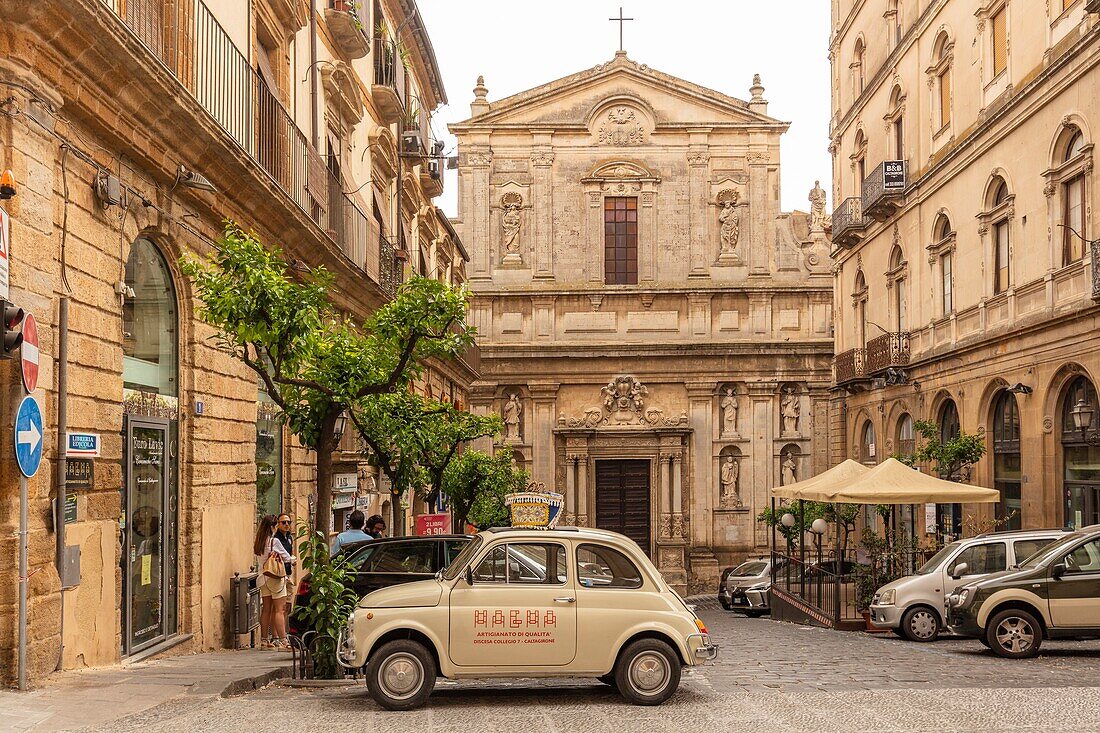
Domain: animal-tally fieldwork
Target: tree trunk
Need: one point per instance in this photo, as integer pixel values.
(396, 528)
(326, 444)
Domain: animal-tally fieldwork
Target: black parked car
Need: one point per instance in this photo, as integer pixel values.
(385, 562)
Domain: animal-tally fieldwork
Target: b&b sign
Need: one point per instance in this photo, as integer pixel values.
(893, 175)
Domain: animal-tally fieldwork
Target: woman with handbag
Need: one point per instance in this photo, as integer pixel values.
(271, 559)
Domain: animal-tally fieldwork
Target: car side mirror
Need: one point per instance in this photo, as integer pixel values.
(469, 575)
(1057, 570)
(959, 570)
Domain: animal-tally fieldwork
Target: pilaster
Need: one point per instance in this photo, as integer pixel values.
(543, 399)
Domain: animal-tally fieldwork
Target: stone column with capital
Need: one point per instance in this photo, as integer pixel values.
(761, 254)
(570, 490)
(542, 199)
(541, 431)
(584, 497)
(703, 498)
(475, 205)
(698, 169)
(678, 528)
(664, 515)
(762, 399)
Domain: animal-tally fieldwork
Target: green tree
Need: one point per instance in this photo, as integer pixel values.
(412, 439)
(476, 485)
(315, 362)
(331, 598)
(951, 459)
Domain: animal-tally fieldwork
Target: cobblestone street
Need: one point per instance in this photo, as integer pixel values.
(770, 676)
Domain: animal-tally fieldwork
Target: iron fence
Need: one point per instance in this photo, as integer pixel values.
(391, 270)
(887, 350)
(389, 68)
(847, 220)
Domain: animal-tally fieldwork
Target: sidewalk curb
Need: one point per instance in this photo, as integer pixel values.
(288, 682)
(249, 684)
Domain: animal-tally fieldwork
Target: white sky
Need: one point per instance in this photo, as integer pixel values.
(720, 44)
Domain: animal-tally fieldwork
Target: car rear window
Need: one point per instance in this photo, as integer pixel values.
(1026, 548)
(401, 557)
(606, 567)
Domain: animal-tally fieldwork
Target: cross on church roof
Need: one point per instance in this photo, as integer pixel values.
(620, 20)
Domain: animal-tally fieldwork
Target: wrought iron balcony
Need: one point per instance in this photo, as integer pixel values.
(347, 28)
(391, 268)
(848, 222)
(388, 89)
(886, 351)
(884, 189)
(850, 366)
(1094, 255)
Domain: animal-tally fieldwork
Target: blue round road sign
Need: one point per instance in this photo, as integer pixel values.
(28, 437)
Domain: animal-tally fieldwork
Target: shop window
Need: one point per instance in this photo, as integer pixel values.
(1007, 477)
(149, 349)
(1081, 454)
(269, 456)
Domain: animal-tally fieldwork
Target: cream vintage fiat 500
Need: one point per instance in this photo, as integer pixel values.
(567, 602)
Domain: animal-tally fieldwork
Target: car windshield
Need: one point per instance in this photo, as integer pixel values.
(752, 567)
(936, 561)
(1054, 548)
(459, 563)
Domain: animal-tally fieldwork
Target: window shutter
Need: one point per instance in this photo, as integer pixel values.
(1000, 42)
(945, 97)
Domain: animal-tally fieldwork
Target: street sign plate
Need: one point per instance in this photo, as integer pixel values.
(82, 444)
(28, 353)
(28, 437)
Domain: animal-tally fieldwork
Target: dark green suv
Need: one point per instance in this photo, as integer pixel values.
(1054, 594)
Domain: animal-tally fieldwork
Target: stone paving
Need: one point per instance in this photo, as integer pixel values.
(780, 678)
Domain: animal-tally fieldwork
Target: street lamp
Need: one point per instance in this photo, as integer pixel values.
(1082, 415)
(787, 520)
(340, 426)
(819, 527)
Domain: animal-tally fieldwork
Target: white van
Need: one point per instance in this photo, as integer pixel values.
(913, 606)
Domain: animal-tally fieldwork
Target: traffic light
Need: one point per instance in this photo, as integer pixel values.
(13, 336)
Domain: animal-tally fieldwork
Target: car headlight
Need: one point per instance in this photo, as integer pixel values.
(759, 586)
(887, 597)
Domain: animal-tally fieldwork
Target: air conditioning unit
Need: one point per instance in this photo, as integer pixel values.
(437, 149)
(410, 141)
(434, 168)
(1092, 6)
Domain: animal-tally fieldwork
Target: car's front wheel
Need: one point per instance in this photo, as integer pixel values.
(920, 623)
(753, 613)
(1014, 633)
(648, 672)
(401, 675)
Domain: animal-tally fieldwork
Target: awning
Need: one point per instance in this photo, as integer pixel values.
(813, 488)
(890, 482)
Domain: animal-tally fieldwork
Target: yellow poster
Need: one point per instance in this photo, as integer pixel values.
(146, 569)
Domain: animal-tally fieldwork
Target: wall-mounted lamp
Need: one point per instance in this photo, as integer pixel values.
(1082, 413)
(191, 179)
(1020, 388)
(7, 185)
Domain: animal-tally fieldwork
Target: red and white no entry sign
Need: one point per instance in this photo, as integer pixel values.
(28, 353)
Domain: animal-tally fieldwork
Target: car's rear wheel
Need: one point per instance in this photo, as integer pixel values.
(648, 672)
(401, 675)
(1014, 634)
(920, 623)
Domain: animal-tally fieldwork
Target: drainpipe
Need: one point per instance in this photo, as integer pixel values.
(315, 135)
(59, 473)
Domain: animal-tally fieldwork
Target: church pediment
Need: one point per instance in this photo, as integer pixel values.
(621, 102)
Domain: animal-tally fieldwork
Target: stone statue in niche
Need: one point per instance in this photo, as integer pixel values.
(731, 496)
(789, 468)
(790, 410)
(817, 208)
(729, 224)
(511, 413)
(510, 222)
(729, 414)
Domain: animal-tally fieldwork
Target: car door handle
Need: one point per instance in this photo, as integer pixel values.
(565, 599)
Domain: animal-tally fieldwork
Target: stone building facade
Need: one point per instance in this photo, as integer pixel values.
(968, 295)
(655, 332)
(110, 111)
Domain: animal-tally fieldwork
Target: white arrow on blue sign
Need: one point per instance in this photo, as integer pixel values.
(28, 437)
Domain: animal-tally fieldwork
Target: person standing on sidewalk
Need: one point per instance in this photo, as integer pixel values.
(285, 537)
(273, 591)
(376, 526)
(356, 520)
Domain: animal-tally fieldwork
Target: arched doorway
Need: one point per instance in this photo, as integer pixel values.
(1006, 458)
(150, 375)
(949, 516)
(1081, 454)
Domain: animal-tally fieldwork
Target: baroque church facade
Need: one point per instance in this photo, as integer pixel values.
(655, 331)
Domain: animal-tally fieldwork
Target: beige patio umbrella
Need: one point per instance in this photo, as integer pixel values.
(824, 484)
(893, 482)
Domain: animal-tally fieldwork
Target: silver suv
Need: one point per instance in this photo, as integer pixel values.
(745, 588)
(913, 606)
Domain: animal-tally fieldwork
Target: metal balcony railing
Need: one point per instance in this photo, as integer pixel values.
(1094, 255)
(389, 79)
(848, 222)
(886, 351)
(391, 269)
(884, 189)
(850, 366)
